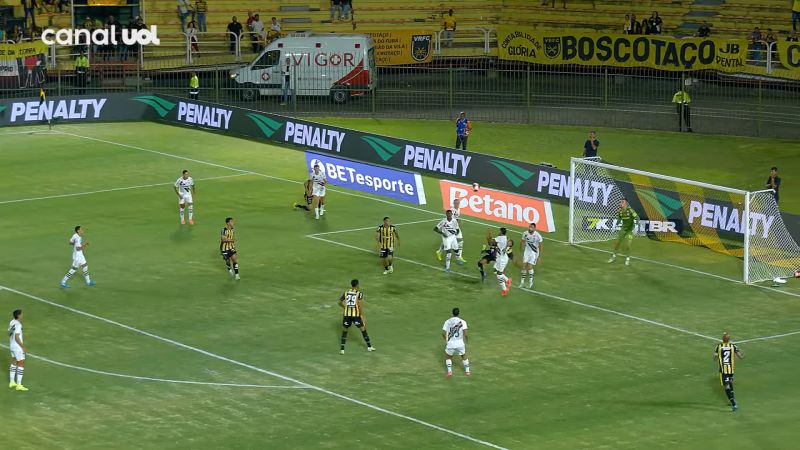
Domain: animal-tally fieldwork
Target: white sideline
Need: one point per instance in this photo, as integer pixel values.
(257, 369)
(543, 294)
(732, 280)
(767, 338)
(162, 380)
(140, 186)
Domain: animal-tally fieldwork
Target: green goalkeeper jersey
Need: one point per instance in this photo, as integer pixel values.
(627, 219)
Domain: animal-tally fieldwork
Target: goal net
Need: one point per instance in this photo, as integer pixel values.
(686, 211)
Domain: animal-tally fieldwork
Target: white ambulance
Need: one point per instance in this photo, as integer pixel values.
(338, 66)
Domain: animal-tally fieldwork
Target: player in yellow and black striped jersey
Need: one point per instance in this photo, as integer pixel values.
(227, 246)
(387, 238)
(307, 197)
(725, 353)
(353, 314)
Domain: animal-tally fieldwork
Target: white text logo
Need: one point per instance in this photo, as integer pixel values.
(102, 36)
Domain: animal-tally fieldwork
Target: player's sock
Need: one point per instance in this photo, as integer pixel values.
(522, 274)
(447, 260)
(191, 212)
(501, 278)
(365, 335)
(466, 365)
(449, 364)
(236, 268)
(460, 248)
(480, 268)
(729, 394)
(322, 210)
(181, 214)
(316, 212)
(68, 275)
(12, 373)
(343, 341)
(228, 265)
(86, 274)
(20, 373)
(530, 278)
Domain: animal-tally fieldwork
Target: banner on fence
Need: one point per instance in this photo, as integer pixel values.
(396, 184)
(22, 65)
(621, 50)
(399, 47)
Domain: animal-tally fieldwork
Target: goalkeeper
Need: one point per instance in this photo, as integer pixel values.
(627, 220)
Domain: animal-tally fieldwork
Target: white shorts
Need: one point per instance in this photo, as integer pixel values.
(185, 198)
(78, 259)
(459, 350)
(530, 257)
(318, 191)
(500, 263)
(449, 243)
(17, 354)
(460, 236)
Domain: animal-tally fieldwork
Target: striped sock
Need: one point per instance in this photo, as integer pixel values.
(20, 372)
(68, 275)
(12, 373)
(86, 274)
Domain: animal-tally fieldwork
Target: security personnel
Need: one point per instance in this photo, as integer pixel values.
(194, 86)
(682, 101)
(81, 72)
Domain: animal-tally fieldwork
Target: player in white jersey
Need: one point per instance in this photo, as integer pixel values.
(454, 333)
(184, 187)
(449, 229)
(460, 238)
(78, 260)
(318, 189)
(501, 260)
(531, 245)
(18, 350)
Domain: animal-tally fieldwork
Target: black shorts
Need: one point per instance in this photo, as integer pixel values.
(386, 252)
(488, 257)
(347, 321)
(226, 254)
(510, 255)
(725, 379)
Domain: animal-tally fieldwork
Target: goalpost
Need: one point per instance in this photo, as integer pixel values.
(679, 210)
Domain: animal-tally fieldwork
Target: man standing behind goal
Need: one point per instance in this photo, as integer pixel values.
(627, 220)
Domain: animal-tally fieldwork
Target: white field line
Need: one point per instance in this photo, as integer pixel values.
(257, 369)
(371, 228)
(400, 205)
(13, 133)
(767, 338)
(126, 188)
(162, 380)
(540, 293)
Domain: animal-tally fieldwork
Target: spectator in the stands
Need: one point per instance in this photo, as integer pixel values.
(30, 10)
(636, 27)
(184, 11)
(2, 33)
(16, 34)
(795, 15)
(136, 24)
(113, 24)
(63, 6)
(274, 30)
(756, 44)
(553, 3)
(704, 31)
(626, 26)
(236, 29)
(792, 37)
(770, 38)
(258, 32)
(347, 5)
(655, 23)
(646, 29)
(200, 10)
(449, 25)
(191, 31)
(253, 37)
(336, 10)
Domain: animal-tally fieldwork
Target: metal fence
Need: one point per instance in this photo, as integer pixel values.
(488, 89)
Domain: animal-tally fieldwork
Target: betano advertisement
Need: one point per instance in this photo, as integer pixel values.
(519, 43)
(396, 184)
(498, 206)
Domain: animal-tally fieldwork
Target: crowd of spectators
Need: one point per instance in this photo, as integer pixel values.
(648, 25)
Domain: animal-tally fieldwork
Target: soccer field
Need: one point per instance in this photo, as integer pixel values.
(168, 351)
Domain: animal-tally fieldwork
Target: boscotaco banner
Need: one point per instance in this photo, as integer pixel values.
(626, 50)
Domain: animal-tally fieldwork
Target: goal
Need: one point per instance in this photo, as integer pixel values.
(686, 211)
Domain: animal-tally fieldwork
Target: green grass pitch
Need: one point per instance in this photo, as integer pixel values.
(167, 351)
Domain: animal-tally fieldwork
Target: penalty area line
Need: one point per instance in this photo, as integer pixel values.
(540, 293)
(162, 380)
(126, 188)
(255, 368)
